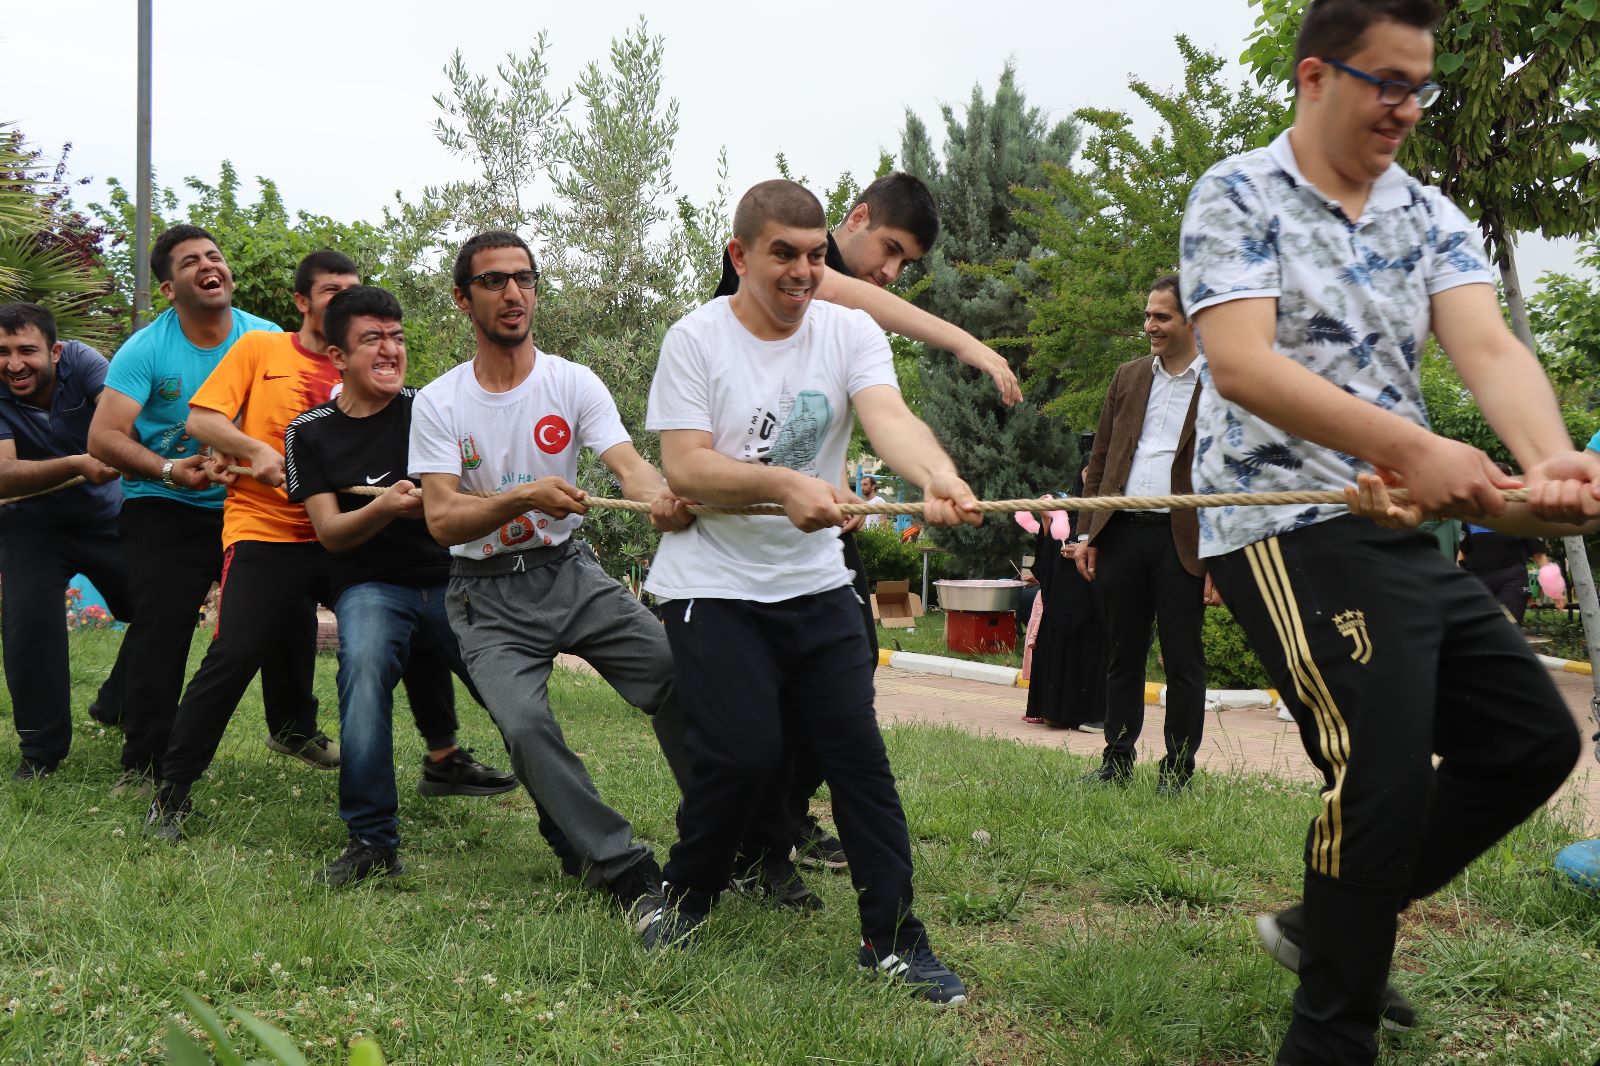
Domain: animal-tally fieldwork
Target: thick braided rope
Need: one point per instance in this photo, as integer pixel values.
(53, 488)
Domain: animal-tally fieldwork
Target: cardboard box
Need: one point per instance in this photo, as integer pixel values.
(895, 606)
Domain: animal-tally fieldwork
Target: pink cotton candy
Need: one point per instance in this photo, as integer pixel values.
(1026, 520)
(1060, 526)
(1550, 582)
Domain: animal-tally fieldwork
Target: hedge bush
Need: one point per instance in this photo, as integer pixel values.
(1230, 663)
(887, 558)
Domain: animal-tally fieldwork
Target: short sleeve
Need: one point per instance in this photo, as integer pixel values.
(433, 447)
(1455, 249)
(870, 360)
(227, 386)
(599, 424)
(1229, 241)
(91, 365)
(303, 476)
(129, 372)
(680, 393)
(1594, 442)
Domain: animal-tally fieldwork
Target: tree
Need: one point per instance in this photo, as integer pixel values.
(1510, 140)
(1566, 320)
(1107, 230)
(977, 277)
(49, 253)
(260, 241)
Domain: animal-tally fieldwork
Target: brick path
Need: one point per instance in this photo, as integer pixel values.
(1236, 740)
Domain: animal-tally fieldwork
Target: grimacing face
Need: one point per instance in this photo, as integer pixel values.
(374, 364)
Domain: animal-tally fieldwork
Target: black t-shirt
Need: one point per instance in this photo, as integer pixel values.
(1486, 551)
(326, 449)
(730, 277)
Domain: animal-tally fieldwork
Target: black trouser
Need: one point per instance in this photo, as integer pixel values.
(1509, 587)
(176, 551)
(750, 675)
(1387, 655)
(268, 616)
(37, 559)
(1140, 580)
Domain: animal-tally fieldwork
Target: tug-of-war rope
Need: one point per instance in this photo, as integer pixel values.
(1037, 506)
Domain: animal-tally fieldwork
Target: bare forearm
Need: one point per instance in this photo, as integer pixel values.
(1298, 401)
(19, 476)
(343, 531)
(710, 477)
(217, 430)
(911, 450)
(116, 448)
(1518, 404)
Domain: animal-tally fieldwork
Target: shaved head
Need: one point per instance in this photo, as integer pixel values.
(779, 200)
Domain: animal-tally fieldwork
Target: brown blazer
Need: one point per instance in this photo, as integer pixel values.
(1121, 422)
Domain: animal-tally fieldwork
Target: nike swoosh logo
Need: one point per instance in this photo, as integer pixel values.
(380, 477)
(273, 377)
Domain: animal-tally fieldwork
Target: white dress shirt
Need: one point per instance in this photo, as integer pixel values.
(1151, 472)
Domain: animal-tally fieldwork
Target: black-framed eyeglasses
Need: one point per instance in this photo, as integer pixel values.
(1392, 93)
(495, 280)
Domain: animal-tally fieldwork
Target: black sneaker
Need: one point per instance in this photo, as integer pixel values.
(1172, 784)
(108, 718)
(1279, 934)
(1107, 774)
(638, 893)
(776, 882)
(459, 774)
(819, 849)
(31, 769)
(668, 926)
(165, 819)
(316, 750)
(360, 860)
(921, 969)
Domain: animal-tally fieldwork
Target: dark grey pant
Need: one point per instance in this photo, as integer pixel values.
(513, 615)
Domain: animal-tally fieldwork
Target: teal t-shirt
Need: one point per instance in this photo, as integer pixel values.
(162, 369)
(1594, 442)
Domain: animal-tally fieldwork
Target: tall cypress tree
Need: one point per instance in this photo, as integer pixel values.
(977, 277)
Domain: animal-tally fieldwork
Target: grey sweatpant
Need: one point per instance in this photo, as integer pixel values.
(512, 617)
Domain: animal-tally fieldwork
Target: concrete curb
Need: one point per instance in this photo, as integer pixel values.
(1567, 666)
(1010, 677)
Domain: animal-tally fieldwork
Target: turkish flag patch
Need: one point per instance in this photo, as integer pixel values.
(552, 434)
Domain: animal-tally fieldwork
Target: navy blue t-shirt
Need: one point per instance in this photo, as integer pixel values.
(60, 431)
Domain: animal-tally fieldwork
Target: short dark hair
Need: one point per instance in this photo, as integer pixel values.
(354, 302)
(780, 200)
(16, 317)
(1170, 283)
(486, 241)
(170, 238)
(903, 201)
(317, 264)
(1332, 29)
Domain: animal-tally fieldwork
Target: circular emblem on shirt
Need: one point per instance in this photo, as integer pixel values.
(516, 531)
(552, 434)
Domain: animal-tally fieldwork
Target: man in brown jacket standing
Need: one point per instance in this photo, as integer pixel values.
(1145, 564)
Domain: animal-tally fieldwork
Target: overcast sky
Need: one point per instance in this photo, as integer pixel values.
(332, 99)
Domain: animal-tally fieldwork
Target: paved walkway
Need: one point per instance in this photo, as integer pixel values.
(1252, 741)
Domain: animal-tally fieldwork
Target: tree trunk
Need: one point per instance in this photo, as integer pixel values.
(1577, 555)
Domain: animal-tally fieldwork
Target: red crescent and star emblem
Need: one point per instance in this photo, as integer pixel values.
(552, 434)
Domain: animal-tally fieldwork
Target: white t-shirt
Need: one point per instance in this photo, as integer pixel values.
(495, 441)
(781, 402)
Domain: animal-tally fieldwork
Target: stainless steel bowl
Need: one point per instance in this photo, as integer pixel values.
(976, 595)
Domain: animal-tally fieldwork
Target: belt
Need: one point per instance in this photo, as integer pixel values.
(1146, 518)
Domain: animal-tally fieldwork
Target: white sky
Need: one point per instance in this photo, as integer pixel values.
(332, 99)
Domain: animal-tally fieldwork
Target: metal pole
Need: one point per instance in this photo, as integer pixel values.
(141, 225)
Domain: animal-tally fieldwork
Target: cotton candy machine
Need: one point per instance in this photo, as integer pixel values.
(980, 615)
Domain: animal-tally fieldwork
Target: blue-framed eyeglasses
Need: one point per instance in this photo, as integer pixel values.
(1392, 93)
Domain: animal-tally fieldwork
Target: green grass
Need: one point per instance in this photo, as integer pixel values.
(1093, 926)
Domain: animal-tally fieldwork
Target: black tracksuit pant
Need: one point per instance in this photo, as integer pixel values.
(1140, 581)
(37, 559)
(267, 621)
(175, 551)
(1388, 655)
(752, 676)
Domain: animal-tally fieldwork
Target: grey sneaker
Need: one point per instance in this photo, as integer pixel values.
(165, 819)
(316, 750)
(139, 783)
(1279, 934)
(776, 883)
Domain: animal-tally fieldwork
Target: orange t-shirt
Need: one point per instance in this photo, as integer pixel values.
(263, 383)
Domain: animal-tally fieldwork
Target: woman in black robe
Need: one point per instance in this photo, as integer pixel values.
(1067, 685)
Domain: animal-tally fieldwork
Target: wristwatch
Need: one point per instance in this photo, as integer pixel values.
(166, 475)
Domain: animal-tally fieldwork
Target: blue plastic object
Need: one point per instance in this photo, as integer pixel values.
(1581, 863)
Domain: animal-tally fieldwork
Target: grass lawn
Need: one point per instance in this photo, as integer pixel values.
(1093, 926)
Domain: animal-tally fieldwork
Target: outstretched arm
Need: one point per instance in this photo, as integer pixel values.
(643, 483)
(900, 316)
(906, 443)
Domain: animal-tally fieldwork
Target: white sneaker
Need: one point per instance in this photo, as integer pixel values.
(1283, 714)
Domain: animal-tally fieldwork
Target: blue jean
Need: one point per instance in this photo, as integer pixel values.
(389, 633)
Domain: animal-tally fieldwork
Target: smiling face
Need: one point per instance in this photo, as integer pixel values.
(28, 365)
(201, 281)
(876, 254)
(1170, 334)
(502, 318)
(374, 364)
(778, 275)
(324, 287)
(1359, 135)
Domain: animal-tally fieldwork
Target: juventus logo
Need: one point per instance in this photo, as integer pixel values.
(1353, 624)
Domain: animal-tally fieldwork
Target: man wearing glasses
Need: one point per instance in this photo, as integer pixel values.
(522, 591)
(1315, 269)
